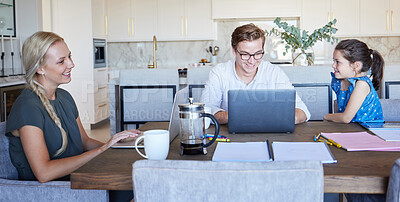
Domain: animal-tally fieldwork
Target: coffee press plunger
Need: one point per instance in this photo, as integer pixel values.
(192, 131)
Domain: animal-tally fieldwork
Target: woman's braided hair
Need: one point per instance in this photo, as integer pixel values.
(33, 57)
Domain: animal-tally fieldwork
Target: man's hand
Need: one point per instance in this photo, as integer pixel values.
(299, 116)
(222, 117)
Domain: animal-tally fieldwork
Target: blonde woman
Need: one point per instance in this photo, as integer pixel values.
(47, 139)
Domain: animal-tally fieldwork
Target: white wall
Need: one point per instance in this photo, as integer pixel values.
(77, 33)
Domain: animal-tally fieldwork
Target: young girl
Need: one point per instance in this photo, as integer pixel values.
(356, 94)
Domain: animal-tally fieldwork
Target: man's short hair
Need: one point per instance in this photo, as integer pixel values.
(247, 32)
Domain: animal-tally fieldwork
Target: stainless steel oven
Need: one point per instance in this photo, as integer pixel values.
(99, 53)
(8, 96)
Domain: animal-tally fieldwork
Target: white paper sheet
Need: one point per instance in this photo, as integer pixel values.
(388, 134)
(242, 151)
(292, 151)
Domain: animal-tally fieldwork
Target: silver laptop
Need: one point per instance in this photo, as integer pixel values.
(174, 125)
(261, 110)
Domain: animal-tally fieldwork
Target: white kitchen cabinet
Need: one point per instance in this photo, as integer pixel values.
(169, 20)
(317, 13)
(131, 20)
(185, 20)
(119, 20)
(395, 17)
(200, 25)
(101, 95)
(230, 9)
(144, 20)
(99, 18)
(380, 18)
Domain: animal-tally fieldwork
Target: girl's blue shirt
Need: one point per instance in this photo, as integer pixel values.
(370, 110)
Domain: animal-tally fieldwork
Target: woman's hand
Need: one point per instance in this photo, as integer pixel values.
(120, 136)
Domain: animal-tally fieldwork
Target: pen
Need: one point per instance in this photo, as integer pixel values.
(329, 140)
(269, 150)
(319, 140)
(219, 136)
(316, 137)
(335, 143)
(211, 137)
(221, 139)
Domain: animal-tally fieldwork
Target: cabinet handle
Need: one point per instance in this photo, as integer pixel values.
(329, 17)
(387, 20)
(102, 87)
(101, 70)
(106, 23)
(128, 27)
(186, 24)
(392, 19)
(100, 106)
(133, 27)
(182, 25)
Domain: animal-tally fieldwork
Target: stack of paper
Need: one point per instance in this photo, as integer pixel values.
(388, 134)
(295, 151)
(242, 151)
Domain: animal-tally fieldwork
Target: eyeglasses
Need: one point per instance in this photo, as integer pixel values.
(247, 56)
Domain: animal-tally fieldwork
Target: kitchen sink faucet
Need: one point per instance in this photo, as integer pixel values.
(154, 53)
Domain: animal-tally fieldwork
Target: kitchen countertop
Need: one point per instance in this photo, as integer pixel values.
(12, 80)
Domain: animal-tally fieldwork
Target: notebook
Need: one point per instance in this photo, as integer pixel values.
(362, 141)
(369, 125)
(261, 110)
(173, 127)
(295, 151)
(242, 151)
(387, 134)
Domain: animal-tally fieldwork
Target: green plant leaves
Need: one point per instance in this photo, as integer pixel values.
(300, 39)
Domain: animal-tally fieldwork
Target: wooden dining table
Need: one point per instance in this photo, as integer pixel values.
(354, 172)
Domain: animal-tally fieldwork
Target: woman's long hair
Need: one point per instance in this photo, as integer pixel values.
(33, 57)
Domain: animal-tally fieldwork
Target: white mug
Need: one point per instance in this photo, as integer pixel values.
(156, 144)
(206, 119)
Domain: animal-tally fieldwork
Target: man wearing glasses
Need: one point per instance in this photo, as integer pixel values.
(247, 71)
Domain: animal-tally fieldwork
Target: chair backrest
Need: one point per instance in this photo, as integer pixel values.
(147, 95)
(174, 180)
(196, 80)
(7, 170)
(317, 97)
(391, 109)
(393, 191)
(312, 84)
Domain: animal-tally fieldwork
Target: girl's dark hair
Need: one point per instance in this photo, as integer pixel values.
(248, 32)
(357, 51)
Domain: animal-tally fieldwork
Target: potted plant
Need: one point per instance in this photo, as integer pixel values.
(300, 42)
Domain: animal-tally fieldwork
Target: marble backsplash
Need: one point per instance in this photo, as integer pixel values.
(177, 54)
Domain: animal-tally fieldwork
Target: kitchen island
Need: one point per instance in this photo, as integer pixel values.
(312, 83)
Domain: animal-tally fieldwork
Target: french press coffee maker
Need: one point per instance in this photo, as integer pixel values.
(192, 131)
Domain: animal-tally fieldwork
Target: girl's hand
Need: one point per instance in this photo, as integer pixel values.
(120, 136)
